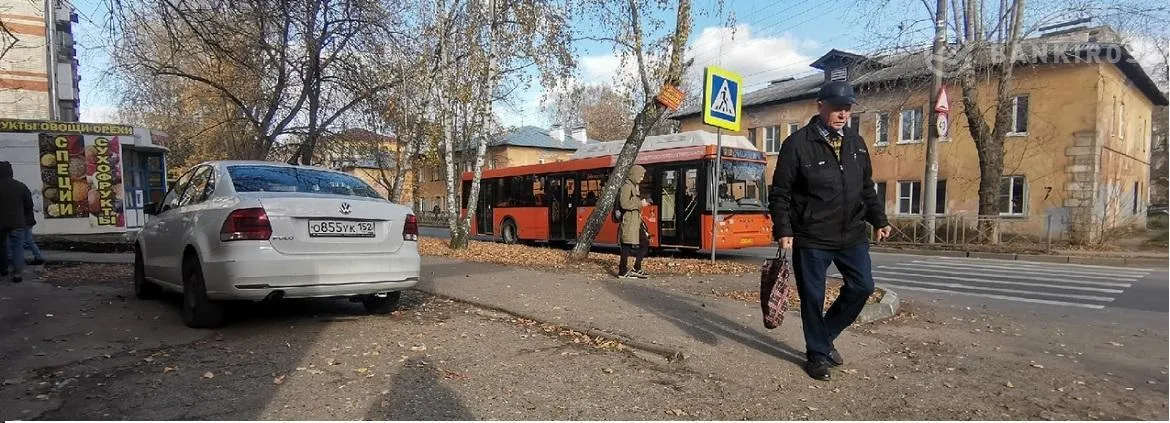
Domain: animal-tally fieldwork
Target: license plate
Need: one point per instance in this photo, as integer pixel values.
(341, 228)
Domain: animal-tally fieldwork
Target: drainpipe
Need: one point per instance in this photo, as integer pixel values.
(51, 42)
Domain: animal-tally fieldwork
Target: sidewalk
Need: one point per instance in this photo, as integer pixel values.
(714, 334)
(707, 333)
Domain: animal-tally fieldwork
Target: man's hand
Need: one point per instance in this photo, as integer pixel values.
(883, 233)
(785, 242)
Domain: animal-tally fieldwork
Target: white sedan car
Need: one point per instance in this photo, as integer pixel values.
(241, 230)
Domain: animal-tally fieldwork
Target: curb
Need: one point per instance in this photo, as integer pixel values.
(1046, 258)
(666, 353)
(884, 309)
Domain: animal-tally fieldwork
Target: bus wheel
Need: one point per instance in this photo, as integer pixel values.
(508, 232)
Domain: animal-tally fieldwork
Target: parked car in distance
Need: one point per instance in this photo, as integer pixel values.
(251, 231)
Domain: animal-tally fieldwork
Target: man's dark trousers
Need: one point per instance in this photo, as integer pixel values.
(809, 266)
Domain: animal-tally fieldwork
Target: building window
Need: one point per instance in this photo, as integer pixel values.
(940, 197)
(1012, 192)
(911, 126)
(1019, 115)
(839, 74)
(909, 197)
(1136, 188)
(882, 129)
(1121, 121)
(772, 139)
(793, 127)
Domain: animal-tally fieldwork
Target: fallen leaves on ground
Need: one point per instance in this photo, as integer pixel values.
(556, 259)
(832, 290)
(86, 273)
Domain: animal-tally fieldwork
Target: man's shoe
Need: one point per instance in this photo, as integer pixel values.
(835, 357)
(818, 369)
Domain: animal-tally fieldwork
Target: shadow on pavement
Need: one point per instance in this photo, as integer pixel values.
(699, 322)
(123, 358)
(417, 393)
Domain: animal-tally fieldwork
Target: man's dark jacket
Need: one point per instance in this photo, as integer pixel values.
(15, 200)
(819, 200)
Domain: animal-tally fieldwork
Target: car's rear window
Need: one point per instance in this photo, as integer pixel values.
(258, 178)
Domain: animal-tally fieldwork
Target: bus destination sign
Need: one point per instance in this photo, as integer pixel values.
(742, 154)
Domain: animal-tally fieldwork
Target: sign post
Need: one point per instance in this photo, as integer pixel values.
(722, 100)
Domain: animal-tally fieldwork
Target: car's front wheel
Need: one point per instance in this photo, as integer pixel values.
(199, 311)
(382, 305)
(143, 289)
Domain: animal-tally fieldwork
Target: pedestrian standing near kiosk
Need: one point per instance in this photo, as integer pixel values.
(821, 197)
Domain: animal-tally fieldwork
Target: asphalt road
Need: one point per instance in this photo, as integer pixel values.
(1002, 284)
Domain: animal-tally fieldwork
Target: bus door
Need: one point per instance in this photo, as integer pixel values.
(485, 206)
(562, 192)
(678, 195)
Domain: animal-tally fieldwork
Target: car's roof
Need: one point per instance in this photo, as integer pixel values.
(222, 163)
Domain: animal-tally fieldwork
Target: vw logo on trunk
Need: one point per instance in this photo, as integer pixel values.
(344, 208)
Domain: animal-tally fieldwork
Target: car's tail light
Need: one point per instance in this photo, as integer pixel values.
(246, 224)
(410, 228)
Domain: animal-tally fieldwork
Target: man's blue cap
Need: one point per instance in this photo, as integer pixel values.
(837, 93)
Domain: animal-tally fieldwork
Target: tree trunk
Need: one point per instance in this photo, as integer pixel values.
(646, 119)
(989, 140)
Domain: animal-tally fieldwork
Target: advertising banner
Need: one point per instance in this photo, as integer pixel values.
(82, 176)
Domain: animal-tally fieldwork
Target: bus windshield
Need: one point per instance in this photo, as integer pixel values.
(741, 186)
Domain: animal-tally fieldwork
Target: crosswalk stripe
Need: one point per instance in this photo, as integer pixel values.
(1064, 283)
(994, 296)
(1004, 270)
(1055, 266)
(1010, 291)
(1030, 268)
(1002, 282)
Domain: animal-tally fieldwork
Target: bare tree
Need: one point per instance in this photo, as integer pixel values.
(606, 113)
(487, 45)
(662, 61)
(286, 67)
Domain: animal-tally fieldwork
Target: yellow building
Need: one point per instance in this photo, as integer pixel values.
(522, 146)
(1076, 161)
(370, 156)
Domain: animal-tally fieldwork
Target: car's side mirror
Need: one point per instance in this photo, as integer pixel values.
(150, 209)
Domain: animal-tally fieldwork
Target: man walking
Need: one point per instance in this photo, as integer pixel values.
(821, 197)
(15, 205)
(631, 230)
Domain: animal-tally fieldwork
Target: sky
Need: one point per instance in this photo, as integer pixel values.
(769, 39)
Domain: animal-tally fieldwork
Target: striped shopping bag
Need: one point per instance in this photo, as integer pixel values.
(774, 289)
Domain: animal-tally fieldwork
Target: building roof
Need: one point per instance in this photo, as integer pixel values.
(1089, 45)
(531, 136)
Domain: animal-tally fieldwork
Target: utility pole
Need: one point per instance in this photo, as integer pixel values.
(931, 179)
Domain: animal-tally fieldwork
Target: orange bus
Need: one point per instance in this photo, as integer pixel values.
(550, 202)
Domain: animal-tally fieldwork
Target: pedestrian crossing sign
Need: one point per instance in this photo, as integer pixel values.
(722, 98)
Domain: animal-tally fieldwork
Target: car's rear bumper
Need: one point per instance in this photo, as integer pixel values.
(262, 271)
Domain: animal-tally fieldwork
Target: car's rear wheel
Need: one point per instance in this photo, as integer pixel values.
(199, 311)
(382, 305)
(508, 232)
(143, 289)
